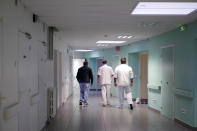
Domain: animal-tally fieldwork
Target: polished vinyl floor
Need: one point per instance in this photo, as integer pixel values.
(95, 117)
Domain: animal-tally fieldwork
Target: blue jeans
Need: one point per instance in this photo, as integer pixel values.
(84, 87)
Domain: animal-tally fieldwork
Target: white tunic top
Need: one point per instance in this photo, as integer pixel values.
(123, 73)
(105, 72)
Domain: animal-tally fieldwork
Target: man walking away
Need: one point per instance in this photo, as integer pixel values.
(105, 73)
(84, 77)
(124, 77)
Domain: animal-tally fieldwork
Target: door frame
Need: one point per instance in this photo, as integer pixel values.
(140, 53)
(173, 76)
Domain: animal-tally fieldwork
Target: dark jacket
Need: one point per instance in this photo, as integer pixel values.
(84, 75)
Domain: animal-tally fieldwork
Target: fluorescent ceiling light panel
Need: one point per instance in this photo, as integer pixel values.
(83, 50)
(129, 37)
(164, 8)
(110, 42)
(119, 36)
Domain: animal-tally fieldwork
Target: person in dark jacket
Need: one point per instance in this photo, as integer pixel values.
(84, 77)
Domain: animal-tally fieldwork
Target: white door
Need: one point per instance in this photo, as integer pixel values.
(27, 81)
(167, 81)
(42, 83)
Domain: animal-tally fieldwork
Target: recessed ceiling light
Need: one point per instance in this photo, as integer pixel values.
(110, 42)
(129, 37)
(164, 8)
(83, 50)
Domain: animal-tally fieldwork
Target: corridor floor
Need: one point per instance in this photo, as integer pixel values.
(72, 117)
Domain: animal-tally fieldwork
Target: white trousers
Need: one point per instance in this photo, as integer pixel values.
(106, 94)
(121, 90)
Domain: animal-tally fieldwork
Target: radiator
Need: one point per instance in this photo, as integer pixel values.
(51, 103)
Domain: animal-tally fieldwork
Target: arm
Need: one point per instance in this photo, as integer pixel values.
(91, 77)
(115, 78)
(115, 84)
(131, 82)
(98, 77)
(112, 73)
(131, 78)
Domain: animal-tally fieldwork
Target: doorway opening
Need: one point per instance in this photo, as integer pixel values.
(139, 63)
(143, 91)
(94, 64)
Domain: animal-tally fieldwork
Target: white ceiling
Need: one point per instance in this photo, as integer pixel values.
(83, 22)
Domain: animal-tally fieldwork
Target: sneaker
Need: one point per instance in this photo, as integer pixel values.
(131, 106)
(80, 103)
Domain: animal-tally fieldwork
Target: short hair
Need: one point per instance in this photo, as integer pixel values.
(85, 63)
(123, 60)
(104, 61)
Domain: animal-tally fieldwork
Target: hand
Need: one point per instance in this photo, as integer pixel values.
(91, 84)
(131, 85)
(115, 84)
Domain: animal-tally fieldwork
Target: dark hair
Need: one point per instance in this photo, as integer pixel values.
(123, 60)
(104, 61)
(85, 63)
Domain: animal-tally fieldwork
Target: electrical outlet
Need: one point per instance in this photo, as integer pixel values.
(183, 111)
(154, 100)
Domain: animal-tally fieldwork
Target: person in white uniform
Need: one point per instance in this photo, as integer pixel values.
(124, 78)
(105, 73)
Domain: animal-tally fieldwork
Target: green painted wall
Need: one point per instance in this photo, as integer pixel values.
(133, 61)
(185, 56)
(92, 65)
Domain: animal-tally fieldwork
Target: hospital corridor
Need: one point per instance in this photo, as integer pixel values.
(98, 65)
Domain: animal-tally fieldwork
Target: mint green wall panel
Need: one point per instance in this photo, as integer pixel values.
(184, 109)
(133, 61)
(195, 113)
(154, 100)
(92, 65)
(185, 70)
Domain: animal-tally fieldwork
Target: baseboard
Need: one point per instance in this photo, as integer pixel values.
(154, 110)
(185, 125)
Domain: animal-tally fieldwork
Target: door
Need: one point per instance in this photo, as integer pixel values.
(59, 71)
(143, 76)
(99, 63)
(58, 77)
(167, 60)
(77, 63)
(133, 61)
(115, 62)
(28, 83)
(42, 84)
(92, 65)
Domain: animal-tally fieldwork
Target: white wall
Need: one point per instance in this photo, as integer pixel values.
(15, 19)
(67, 74)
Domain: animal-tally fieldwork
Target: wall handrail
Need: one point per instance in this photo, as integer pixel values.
(185, 93)
(154, 86)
